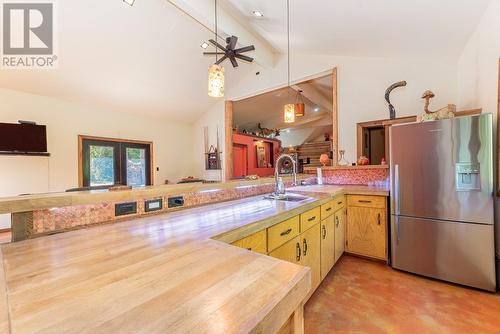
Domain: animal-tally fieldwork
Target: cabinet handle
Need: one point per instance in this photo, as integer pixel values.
(329, 209)
(311, 219)
(364, 201)
(378, 219)
(297, 252)
(324, 232)
(339, 203)
(305, 247)
(249, 248)
(286, 232)
(336, 221)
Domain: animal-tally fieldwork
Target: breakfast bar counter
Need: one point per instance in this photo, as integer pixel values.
(170, 273)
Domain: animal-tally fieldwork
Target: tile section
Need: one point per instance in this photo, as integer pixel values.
(59, 219)
(362, 296)
(366, 176)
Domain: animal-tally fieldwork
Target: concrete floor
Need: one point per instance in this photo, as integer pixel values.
(363, 296)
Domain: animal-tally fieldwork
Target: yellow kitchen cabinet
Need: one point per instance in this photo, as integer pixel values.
(304, 250)
(311, 254)
(328, 246)
(367, 226)
(309, 218)
(340, 233)
(256, 242)
(290, 251)
(280, 233)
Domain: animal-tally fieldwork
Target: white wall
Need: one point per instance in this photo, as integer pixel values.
(22, 175)
(361, 87)
(478, 77)
(478, 64)
(213, 119)
(65, 121)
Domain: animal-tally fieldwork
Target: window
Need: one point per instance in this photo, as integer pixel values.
(108, 162)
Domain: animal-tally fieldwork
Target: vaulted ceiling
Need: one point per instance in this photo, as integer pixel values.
(381, 28)
(147, 59)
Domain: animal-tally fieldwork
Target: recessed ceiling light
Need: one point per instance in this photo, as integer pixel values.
(129, 2)
(316, 109)
(204, 45)
(257, 13)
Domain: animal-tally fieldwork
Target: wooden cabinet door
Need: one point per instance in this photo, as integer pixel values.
(366, 232)
(328, 238)
(311, 254)
(340, 231)
(290, 251)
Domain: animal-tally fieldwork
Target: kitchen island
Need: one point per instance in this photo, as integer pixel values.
(170, 273)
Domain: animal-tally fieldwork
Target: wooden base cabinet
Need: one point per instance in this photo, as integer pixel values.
(304, 250)
(340, 233)
(291, 251)
(328, 246)
(367, 226)
(311, 254)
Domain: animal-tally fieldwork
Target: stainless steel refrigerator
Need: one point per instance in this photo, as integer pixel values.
(442, 216)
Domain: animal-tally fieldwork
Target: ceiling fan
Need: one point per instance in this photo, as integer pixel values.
(230, 51)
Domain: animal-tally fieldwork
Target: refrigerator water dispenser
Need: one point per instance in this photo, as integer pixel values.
(467, 176)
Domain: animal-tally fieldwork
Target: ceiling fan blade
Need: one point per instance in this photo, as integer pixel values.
(233, 61)
(232, 42)
(245, 58)
(221, 60)
(213, 53)
(217, 45)
(245, 49)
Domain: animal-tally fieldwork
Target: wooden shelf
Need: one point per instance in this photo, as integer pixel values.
(30, 154)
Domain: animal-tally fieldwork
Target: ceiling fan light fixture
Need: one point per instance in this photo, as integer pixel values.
(204, 45)
(129, 2)
(216, 81)
(289, 113)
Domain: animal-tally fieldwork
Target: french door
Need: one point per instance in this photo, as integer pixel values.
(109, 162)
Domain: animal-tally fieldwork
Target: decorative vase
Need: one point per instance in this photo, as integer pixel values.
(324, 159)
(363, 161)
(343, 161)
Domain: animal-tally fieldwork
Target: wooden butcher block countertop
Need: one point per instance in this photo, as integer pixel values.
(159, 274)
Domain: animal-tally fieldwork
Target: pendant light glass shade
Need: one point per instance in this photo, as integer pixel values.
(300, 109)
(289, 113)
(216, 81)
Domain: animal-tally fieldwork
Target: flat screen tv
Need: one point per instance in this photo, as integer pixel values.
(23, 138)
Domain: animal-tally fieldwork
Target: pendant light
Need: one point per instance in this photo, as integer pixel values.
(216, 72)
(300, 106)
(289, 109)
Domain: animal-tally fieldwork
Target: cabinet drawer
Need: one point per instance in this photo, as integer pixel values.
(278, 234)
(327, 209)
(367, 201)
(333, 206)
(309, 218)
(256, 242)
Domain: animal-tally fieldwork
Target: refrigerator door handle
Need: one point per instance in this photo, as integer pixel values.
(396, 200)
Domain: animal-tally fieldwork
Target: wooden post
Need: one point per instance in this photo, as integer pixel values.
(22, 225)
(498, 133)
(335, 120)
(298, 320)
(228, 126)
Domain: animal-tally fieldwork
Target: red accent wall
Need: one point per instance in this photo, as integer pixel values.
(240, 141)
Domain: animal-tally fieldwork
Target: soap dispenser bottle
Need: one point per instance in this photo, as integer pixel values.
(281, 186)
